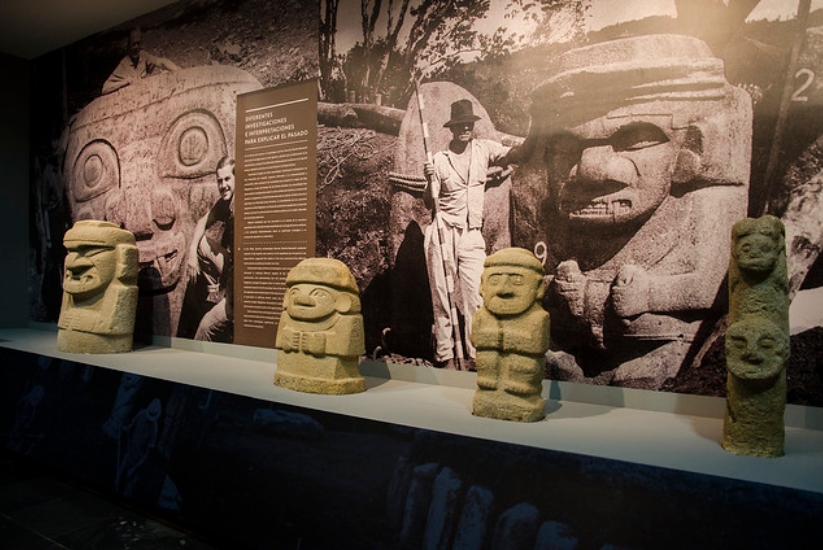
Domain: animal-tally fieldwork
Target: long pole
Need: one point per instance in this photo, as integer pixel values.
(455, 320)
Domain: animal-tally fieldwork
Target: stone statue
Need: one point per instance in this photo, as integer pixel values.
(99, 289)
(757, 340)
(321, 335)
(511, 335)
(640, 166)
(143, 158)
(758, 274)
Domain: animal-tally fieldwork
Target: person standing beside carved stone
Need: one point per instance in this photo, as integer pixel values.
(454, 245)
(136, 65)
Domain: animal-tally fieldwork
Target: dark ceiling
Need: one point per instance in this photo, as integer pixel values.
(30, 28)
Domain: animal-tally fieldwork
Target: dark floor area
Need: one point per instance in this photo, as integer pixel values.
(42, 510)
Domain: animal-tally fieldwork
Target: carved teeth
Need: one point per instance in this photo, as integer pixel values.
(602, 208)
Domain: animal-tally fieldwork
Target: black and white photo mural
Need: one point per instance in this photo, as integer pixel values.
(136, 125)
(643, 131)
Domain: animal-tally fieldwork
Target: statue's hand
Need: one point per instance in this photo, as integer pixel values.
(630, 292)
(314, 343)
(571, 286)
(289, 339)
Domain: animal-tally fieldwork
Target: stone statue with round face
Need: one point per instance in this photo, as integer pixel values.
(756, 354)
(99, 289)
(758, 275)
(511, 335)
(321, 334)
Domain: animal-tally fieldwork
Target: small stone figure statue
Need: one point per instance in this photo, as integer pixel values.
(99, 289)
(321, 333)
(511, 334)
(757, 340)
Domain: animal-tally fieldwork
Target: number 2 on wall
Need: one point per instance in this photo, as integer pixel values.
(798, 93)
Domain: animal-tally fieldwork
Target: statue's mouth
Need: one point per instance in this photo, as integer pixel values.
(161, 261)
(608, 201)
(599, 208)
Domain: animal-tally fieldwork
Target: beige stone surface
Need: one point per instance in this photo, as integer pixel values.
(511, 335)
(757, 340)
(143, 157)
(321, 336)
(99, 289)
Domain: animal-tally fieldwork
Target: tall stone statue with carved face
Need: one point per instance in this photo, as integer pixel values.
(511, 334)
(321, 334)
(757, 340)
(640, 166)
(99, 289)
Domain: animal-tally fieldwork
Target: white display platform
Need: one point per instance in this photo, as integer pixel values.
(660, 429)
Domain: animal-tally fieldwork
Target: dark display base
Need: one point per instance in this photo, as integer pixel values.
(402, 465)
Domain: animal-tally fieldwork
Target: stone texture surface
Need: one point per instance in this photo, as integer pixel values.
(418, 501)
(757, 340)
(511, 334)
(99, 289)
(447, 493)
(639, 167)
(144, 157)
(474, 524)
(554, 535)
(321, 335)
(516, 528)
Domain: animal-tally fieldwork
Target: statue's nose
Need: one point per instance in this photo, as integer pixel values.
(598, 164)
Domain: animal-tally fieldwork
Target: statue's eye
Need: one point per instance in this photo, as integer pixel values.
(636, 136)
(767, 343)
(192, 146)
(495, 279)
(95, 171)
(516, 280)
(319, 293)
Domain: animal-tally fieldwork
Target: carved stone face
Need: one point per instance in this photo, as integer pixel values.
(758, 250)
(89, 270)
(509, 290)
(311, 302)
(144, 159)
(612, 171)
(756, 349)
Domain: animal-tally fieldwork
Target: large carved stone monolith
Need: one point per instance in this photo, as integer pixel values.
(143, 157)
(99, 289)
(757, 340)
(321, 335)
(641, 166)
(511, 334)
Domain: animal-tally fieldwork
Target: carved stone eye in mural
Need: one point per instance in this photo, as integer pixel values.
(96, 170)
(192, 146)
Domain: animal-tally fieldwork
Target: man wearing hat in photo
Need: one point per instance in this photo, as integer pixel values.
(457, 179)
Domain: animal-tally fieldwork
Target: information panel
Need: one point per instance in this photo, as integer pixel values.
(276, 175)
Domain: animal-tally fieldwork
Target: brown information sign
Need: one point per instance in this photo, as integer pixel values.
(275, 203)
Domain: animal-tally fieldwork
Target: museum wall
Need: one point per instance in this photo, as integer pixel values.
(637, 298)
(14, 165)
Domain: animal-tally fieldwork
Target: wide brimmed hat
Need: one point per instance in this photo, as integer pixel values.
(462, 113)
